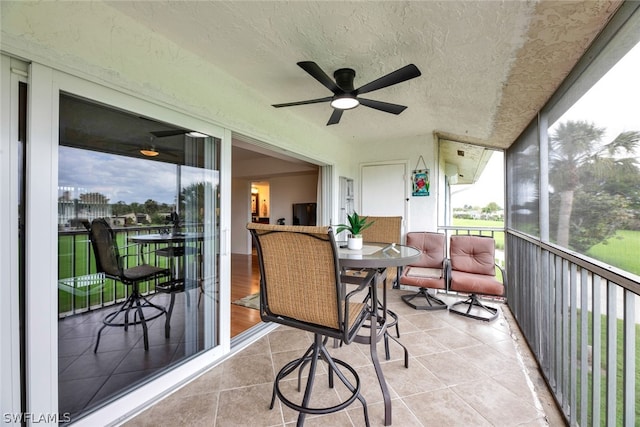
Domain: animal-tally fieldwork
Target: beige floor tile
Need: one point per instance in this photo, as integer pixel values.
(412, 380)
(496, 403)
(462, 372)
(401, 416)
(421, 343)
(179, 410)
(444, 408)
(485, 358)
(242, 371)
(451, 368)
(452, 338)
(247, 406)
(287, 339)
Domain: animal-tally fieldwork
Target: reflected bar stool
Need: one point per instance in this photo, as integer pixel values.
(111, 263)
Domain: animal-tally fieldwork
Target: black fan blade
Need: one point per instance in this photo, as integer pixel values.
(310, 101)
(382, 106)
(405, 73)
(316, 72)
(335, 117)
(172, 132)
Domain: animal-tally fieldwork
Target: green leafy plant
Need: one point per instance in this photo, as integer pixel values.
(356, 224)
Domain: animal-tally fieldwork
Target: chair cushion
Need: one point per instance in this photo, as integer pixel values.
(431, 247)
(475, 283)
(473, 254)
(143, 271)
(423, 277)
(427, 273)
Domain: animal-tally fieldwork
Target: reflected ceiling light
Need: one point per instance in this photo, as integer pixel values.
(149, 152)
(195, 134)
(344, 102)
(254, 190)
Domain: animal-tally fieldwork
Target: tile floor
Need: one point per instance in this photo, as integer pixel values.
(461, 372)
(87, 379)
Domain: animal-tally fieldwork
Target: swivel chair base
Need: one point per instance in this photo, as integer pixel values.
(431, 302)
(316, 351)
(473, 302)
(133, 302)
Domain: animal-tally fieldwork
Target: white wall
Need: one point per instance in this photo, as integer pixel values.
(283, 192)
(423, 214)
(116, 51)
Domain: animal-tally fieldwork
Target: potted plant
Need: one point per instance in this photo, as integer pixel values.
(356, 225)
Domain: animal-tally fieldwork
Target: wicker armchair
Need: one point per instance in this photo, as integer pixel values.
(300, 287)
(384, 229)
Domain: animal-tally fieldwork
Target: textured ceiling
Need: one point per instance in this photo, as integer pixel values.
(487, 66)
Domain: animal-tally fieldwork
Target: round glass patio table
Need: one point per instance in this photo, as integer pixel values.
(376, 256)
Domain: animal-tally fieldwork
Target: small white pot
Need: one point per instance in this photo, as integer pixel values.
(354, 241)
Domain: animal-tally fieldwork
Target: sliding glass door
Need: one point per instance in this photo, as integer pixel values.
(157, 185)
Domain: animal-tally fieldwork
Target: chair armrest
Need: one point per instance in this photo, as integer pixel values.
(361, 281)
(447, 273)
(504, 278)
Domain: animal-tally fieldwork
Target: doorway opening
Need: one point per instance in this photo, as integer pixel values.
(267, 185)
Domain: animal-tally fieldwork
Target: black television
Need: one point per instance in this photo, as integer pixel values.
(304, 214)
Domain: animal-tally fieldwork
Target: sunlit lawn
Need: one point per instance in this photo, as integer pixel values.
(75, 260)
(498, 236)
(622, 251)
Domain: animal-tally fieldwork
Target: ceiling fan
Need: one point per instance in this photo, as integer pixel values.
(345, 97)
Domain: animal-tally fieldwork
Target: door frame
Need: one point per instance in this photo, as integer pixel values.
(12, 73)
(45, 85)
(405, 198)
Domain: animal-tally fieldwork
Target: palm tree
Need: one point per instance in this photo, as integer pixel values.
(576, 151)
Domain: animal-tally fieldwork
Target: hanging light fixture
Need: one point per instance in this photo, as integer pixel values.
(149, 151)
(194, 134)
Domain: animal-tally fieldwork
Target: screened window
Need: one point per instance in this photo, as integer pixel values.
(523, 171)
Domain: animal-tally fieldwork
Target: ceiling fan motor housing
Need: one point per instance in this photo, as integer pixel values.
(344, 79)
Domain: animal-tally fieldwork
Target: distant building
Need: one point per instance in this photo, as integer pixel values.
(78, 204)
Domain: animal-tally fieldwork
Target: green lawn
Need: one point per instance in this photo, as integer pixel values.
(622, 251)
(498, 236)
(619, 369)
(80, 262)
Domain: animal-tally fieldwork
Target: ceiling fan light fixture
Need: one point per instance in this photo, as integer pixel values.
(149, 152)
(344, 102)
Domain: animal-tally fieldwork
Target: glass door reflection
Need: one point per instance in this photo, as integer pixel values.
(146, 178)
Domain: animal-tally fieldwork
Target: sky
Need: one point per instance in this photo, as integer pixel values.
(489, 187)
(122, 178)
(613, 103)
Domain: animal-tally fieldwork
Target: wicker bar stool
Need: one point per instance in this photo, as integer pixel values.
(300, 287)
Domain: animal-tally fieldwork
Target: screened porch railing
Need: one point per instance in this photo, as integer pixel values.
(80, 288)
(580, 319)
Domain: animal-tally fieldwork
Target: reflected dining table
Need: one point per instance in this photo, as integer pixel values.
(377, 256)
(178, 245)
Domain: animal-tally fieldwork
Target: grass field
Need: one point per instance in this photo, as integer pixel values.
(622, 251)
(74, 260)
(498, 236)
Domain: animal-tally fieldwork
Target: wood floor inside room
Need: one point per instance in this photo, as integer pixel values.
(245, 280)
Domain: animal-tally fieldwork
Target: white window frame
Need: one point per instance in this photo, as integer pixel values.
(10, 392)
